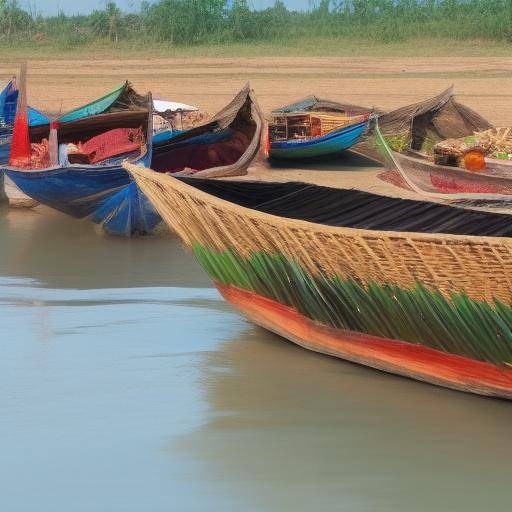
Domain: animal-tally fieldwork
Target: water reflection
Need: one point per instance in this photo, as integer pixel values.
(292, 430)
(64, 252)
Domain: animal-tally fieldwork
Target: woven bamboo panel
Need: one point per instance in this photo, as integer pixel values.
(481, 267)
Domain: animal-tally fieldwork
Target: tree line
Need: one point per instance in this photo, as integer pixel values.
(192, 22)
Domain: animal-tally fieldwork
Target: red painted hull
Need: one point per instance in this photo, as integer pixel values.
(392, 356)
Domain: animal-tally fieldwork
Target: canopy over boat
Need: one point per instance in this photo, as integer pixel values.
(315, 104)
(123, 97)
(420, 126)
(421, 291)
(164, 106)
(430, 121)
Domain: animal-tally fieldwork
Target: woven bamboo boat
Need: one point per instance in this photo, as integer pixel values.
(421, 290)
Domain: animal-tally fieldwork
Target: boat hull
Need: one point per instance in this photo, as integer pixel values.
(9, 192)
(106, 195)
(329, 145)
(392, 356)
(429, 177)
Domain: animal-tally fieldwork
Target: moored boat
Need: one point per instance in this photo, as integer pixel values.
(413, 288)
(105, 193)
(312, 128)
(88, 179)
(422, 174)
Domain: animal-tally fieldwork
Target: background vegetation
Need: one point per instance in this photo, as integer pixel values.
(182, 23)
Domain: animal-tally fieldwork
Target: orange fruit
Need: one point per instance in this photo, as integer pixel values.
(474, 161)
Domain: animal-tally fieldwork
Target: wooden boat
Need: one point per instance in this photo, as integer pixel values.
(92, 183)
(420, 173)
(224, 146)
(313, 128)
(123, 97)
(105, 193)
(414, 288)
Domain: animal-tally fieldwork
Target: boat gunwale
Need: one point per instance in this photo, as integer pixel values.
(286, 222)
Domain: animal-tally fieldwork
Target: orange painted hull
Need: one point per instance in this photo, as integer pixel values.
(393, 356)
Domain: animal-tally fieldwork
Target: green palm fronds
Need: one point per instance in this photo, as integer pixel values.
(458, 325)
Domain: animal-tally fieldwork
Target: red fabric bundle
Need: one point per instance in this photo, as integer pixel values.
(20, 145)
(107, 145)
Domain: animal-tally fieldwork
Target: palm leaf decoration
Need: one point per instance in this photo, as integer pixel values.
(458, 325)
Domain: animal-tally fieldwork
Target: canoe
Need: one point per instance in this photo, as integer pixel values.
(422, 175)
(329, 145)
(99, 191)
(315, 128)
(224, 146)
(108, 196)
(413, 288)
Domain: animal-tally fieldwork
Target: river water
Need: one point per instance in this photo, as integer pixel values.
(127, 384)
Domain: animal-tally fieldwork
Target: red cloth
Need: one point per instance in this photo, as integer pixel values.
(20, 145)
(112, 143)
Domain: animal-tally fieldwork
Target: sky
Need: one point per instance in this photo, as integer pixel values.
(86, 6)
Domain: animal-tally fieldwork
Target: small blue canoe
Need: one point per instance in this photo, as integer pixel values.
(329, 145)
(314, 128)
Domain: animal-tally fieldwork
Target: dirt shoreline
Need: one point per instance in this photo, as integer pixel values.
(484, 84)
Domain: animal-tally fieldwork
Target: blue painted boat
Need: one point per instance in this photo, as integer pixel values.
(331, 144)
(313, 128)
(102, 192)
(107, 195)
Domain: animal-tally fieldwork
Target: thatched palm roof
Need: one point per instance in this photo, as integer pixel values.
(315, 104)
(441, 114)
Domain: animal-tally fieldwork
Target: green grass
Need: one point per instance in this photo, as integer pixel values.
(462, 326)
(331, 47)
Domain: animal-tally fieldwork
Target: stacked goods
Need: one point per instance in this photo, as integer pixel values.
(305, 125)
(178, 120)
(469, 152)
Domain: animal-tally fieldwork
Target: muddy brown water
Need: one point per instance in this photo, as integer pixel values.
(127, 384)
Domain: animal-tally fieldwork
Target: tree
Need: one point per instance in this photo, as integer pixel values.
(114, 20)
